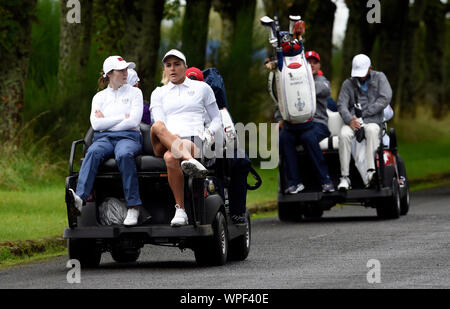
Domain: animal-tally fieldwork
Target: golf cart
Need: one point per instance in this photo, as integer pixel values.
(389, 193)
(211, 233)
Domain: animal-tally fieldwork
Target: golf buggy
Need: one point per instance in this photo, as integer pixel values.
(291, 86)
(389, 193)
(211, 233)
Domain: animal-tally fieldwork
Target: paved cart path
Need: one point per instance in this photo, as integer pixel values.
(413, 252)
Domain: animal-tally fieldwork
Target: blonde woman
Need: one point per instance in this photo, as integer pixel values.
(179, 109)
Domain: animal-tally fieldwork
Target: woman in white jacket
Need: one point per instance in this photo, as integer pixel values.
(115, 116)
(179, 109)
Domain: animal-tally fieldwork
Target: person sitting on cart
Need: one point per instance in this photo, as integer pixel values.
(309, 135)
(240, 167)
(371, 91)
(115, 116)
(134, 81)
(178, 110)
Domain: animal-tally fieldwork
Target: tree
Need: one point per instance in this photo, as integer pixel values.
(236, 52)
(391, 34)
(195, 31)
(411, 80)
(319, 31)
(435, 21)
(74, 46)
(142, 21)
(16, 19)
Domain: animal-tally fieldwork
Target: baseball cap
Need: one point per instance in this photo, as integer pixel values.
(176, 53)
(116, 63)
(360, 66)
(194, 72)
(313, 54)
(132, 78)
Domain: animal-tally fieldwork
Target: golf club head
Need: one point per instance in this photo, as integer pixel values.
(266, 21)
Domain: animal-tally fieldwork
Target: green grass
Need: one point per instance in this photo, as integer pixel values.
(7, 259)
(32, 215)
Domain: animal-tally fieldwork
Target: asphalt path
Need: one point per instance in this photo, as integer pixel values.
(333, 252)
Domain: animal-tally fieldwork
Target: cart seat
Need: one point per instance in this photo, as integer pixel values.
(146, 162)
(335, 123)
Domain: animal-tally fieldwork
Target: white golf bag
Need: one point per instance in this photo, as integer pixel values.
(295, 88)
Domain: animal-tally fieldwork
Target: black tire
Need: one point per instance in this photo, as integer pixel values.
(389, 208)
(85, 251)
(214, 250)
(313, 212)
(289, 212)
(404, 201)
(240, 246)
(125, 255)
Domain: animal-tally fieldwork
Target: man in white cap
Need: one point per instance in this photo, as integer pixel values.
(370, 90)
(178, 109)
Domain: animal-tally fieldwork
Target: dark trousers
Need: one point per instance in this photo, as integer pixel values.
(240, 167)
(310, 137)
(124, 146)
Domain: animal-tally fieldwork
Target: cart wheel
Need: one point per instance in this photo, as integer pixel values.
(313, 212)
(404, 201)
(389, 208)
(85, 251)
(289, 212)
(240, 246)
(125, 255)
(214, 251)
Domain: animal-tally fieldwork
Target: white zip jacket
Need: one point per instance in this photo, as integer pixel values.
(115, 104)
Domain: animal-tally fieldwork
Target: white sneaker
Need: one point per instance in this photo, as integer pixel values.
(180, 218)
(370, 178)
(344, 184)
(132, 216)
(75, 203)
(194, 168)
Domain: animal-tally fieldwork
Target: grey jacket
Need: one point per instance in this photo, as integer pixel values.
(372, 104)
(323, 91)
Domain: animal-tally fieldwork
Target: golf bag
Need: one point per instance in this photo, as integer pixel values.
(295, 88)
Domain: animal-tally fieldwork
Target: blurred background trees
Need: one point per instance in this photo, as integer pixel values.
(50, 67)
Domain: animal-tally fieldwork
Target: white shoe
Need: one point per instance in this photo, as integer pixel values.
(76, 202)
(370, 178)
(193, 168)
(344, 184)
(132, 216)
(180, 218)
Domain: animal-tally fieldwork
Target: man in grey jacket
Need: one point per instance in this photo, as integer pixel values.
(308, 134)
(372, 92)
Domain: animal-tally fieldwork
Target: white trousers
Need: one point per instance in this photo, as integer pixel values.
(346, 136)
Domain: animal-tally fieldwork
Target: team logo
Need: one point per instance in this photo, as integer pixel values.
(191, 93)
(300, 105)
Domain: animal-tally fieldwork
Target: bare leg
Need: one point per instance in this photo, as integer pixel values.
(176, 177)
(163, 140)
